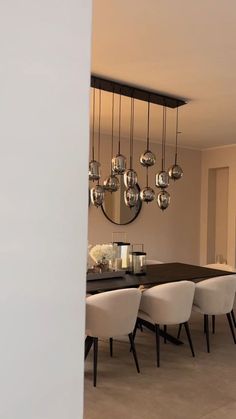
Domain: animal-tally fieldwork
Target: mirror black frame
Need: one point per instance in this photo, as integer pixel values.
(139, 203)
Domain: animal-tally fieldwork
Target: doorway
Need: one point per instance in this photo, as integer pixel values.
(217, 226)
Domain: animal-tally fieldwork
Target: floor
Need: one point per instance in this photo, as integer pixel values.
(183, 387)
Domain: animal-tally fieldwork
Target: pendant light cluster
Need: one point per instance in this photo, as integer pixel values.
(118, 162)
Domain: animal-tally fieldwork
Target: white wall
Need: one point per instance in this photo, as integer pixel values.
(222, 196)
(217, 219)
(172, 235)
(44, 104)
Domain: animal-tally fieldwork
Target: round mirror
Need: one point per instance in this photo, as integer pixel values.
(114, 206)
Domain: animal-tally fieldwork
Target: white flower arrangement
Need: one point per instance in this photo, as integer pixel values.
(101, 252)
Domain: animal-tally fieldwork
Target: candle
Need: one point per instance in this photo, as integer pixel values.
(118, 264)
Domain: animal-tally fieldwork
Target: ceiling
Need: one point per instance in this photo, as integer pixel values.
(183, 48)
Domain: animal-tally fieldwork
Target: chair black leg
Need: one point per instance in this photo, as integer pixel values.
(233, 318)
(95, 360)
(134, 351)
(213, 323)
(137, 324)
(88, 345)
(179, 331)
(111, 347)
(157, 330)
(165, 330)
(231, 326)
(206, 322)
(140, 326)
(186, 325)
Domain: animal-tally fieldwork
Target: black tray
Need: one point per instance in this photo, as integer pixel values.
(93, 276)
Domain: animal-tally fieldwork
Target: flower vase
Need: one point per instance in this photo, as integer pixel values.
(102, 266)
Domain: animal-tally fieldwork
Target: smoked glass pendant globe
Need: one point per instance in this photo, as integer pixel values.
(130, 178)
(147, 159)
(131, 197)
(175, 172)
(163, 199)
(147, 194)
(97, 195)
(94, 170)
(118, 164)
(162, 179)
(111, 184)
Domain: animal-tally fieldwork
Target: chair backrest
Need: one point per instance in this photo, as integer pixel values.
(153, 262)
(112, 313)
(216, 295)
(220, 266)
(169, 303)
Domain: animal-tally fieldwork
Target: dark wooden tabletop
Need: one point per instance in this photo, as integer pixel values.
(156, 275)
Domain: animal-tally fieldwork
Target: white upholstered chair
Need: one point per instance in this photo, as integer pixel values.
(112, 313)
(213, 297)
(222, 267)
(149, 262)
(167, 304)
(153, 262)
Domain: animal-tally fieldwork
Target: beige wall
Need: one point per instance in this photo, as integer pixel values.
(211, 159)
(172, 235)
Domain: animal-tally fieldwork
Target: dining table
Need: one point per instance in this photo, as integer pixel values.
(156, 274)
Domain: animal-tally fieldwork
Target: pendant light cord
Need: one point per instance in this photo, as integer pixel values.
(131, 132)
(148, 125)
(99, 123)
(119, 123)
(162, 140)
(176, 135)
(148, 130)
(163, 137)
(165, 141)
(93, 124)
(112, 127)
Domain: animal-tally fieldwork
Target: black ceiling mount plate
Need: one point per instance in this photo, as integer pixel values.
(136, 92)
